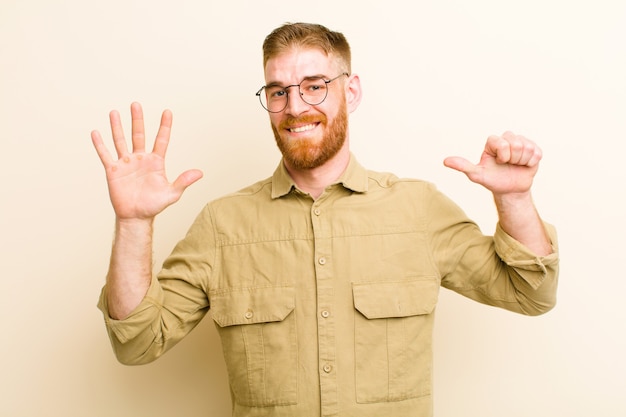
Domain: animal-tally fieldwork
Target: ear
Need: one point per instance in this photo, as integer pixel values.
(353, 92)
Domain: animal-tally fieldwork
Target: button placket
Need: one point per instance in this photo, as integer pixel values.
(322, 230)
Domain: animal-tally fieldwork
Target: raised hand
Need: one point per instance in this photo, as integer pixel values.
(138, 186)
(507, 165)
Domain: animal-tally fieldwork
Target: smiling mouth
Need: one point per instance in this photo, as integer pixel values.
(304, 128)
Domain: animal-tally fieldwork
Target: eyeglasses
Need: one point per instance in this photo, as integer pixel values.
(313, 91)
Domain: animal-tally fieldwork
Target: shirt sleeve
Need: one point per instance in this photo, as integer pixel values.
(175, 303)
(130, 327)
(494, 270)
(534, 269)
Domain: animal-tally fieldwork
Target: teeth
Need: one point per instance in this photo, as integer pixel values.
(302, 128)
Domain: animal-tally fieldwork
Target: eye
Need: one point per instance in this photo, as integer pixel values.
(275, 92)
(314, 85)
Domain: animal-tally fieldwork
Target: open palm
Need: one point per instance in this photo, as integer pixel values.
(138, 185)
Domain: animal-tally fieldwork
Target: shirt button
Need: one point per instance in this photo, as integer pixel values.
(327, 368)
(317, 211)
(325, 314)
(322, 261)
(249, 314)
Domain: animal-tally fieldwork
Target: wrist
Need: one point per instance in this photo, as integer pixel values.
(135, 230)
(522, 199)
(133, 223)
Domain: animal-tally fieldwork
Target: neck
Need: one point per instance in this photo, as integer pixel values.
(314, 181)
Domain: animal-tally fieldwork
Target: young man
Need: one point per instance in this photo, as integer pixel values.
(323, 278)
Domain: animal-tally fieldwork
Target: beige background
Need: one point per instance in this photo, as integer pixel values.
(438, 78)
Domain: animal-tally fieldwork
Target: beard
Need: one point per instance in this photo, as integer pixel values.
(304, 154)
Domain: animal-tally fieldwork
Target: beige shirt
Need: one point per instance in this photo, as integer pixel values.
(326, 307)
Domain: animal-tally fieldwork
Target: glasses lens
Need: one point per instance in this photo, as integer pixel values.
(274, 99)
(314, 90)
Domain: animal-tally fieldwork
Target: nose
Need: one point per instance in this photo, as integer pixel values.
(295, 104)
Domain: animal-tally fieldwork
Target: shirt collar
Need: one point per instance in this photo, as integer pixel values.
(354, 178)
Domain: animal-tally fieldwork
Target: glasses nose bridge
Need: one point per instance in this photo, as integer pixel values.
(291, 103)
(293, 85)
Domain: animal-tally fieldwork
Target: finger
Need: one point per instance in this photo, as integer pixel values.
(536, 157)
(460, 164)
(183, 181)
(138, 131)
(531, 153)
(163, 135)
(473, 172)
(187, 178)
(118, 134)
(103, 152)
(516, 148)
(523, 150)
(499, 148)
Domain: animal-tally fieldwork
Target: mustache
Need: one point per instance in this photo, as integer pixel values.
(291, 121)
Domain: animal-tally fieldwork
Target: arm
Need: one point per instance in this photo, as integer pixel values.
(139, 190)
(519, 218)
(507, 168)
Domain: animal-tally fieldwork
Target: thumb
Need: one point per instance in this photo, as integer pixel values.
(187, 178)
(460, 164)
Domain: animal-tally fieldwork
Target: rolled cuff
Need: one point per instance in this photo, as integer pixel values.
(520, 257)
(140, 318)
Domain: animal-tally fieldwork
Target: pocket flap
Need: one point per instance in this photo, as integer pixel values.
(252, 305)
(377, 300)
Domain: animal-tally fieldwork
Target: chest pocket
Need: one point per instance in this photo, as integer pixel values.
(393, 339)
(258, 331)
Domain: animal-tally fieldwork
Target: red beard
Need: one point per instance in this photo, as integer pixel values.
(305, 154)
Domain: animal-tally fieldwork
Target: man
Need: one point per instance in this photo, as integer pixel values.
(322, 279)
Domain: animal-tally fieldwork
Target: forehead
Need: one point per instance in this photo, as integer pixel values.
(291, 66)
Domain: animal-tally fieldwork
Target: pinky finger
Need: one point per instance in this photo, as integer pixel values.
(535, 157)
(103, 152)
(163, 135)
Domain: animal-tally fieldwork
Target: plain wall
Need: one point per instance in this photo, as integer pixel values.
(438, 78)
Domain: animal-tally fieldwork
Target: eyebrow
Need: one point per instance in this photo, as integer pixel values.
(308, 77)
